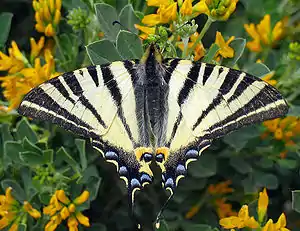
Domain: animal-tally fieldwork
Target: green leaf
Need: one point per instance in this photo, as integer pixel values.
(129, 45)
(257, 69)
(32, 158)
(12, 150)
(66, 157)
(206, 166)
(102, 52)
(17, 191)
(24, 130)
(120, 4)
(249, 185)
(265, 163)
(267, 180)
(239, 139)
(48, 156)
(93, 186)
(287, 163)
(211, 53)
(28, 146)
(80, 144)
(240, 165)
(128, 18)
(238, 45)
(5, 24)
(296, 200)
(106, 15)
(5, 133)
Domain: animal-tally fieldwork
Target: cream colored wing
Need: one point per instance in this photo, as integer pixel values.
(206, 102)
(97, 102)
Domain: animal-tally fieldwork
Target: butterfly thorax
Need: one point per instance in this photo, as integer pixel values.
(155, 91)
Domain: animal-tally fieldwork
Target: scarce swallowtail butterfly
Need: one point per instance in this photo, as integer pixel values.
(153, 109)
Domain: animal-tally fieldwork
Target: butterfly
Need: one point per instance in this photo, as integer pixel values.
(154, 109)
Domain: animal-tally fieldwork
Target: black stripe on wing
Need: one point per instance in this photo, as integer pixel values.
(77, 90)
(114, 90)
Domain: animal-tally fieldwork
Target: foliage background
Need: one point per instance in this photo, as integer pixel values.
(39, 158)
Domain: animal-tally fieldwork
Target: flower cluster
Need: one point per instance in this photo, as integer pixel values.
(23, 74)
(243, 219)
(263, 35)
(61, 208)
(283, 129)
(47, 16)
(13, 213)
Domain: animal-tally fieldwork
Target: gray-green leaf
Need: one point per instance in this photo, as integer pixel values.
(129, 45)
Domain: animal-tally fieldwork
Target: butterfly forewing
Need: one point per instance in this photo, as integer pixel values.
(97, 102)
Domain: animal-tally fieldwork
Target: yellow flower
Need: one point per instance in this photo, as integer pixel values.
(62, 208)
(22, 77)
(146, 30)
(36, 47)
(220, 188)
(199, 50)
(11, 211)
(225, 50)
(263, 202)
(165, 14)
(186, 8)
(216, 9)
(159, 2)
(280, 225)
(263, 35)
(47, 16)
(268, 78)
(242, 220)
(224, 209)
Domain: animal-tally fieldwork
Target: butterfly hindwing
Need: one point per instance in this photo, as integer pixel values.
(99, 103)
(206, 102)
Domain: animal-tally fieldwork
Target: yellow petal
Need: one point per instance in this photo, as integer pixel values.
(151, 19)
(51, 226)
(61, 196)
(251, 223)
(192, 212)
(145, 29)
(269, 226)
(4, 222)
(52, 6)
(281, 223)
(263, 203)
(58, 4)
(244, 212)
(168, 14)
(186, 8)
(159, 2)
(231, 222)
(82, 198)
(64, 213)
(225, 50)
(49, 30)
(13, 227)
(16, 52)
(72, 208)
(264, 29)
(201, 8)
(82, 219)
(9, 198)
(277, 31)
(32, 212)
(57, 17)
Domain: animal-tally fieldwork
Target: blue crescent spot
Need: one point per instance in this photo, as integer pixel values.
(169, 183)
(111, 155)
(180, 170)
(145, 178)
(135, 183)
(123, 170)
(191, 153)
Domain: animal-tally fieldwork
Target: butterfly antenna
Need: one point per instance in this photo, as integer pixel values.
(159, 215)
(126, 28)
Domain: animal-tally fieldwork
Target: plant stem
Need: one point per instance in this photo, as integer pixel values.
(201, 35)
(185, 47)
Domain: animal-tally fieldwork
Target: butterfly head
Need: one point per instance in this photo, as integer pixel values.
(152, 54)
